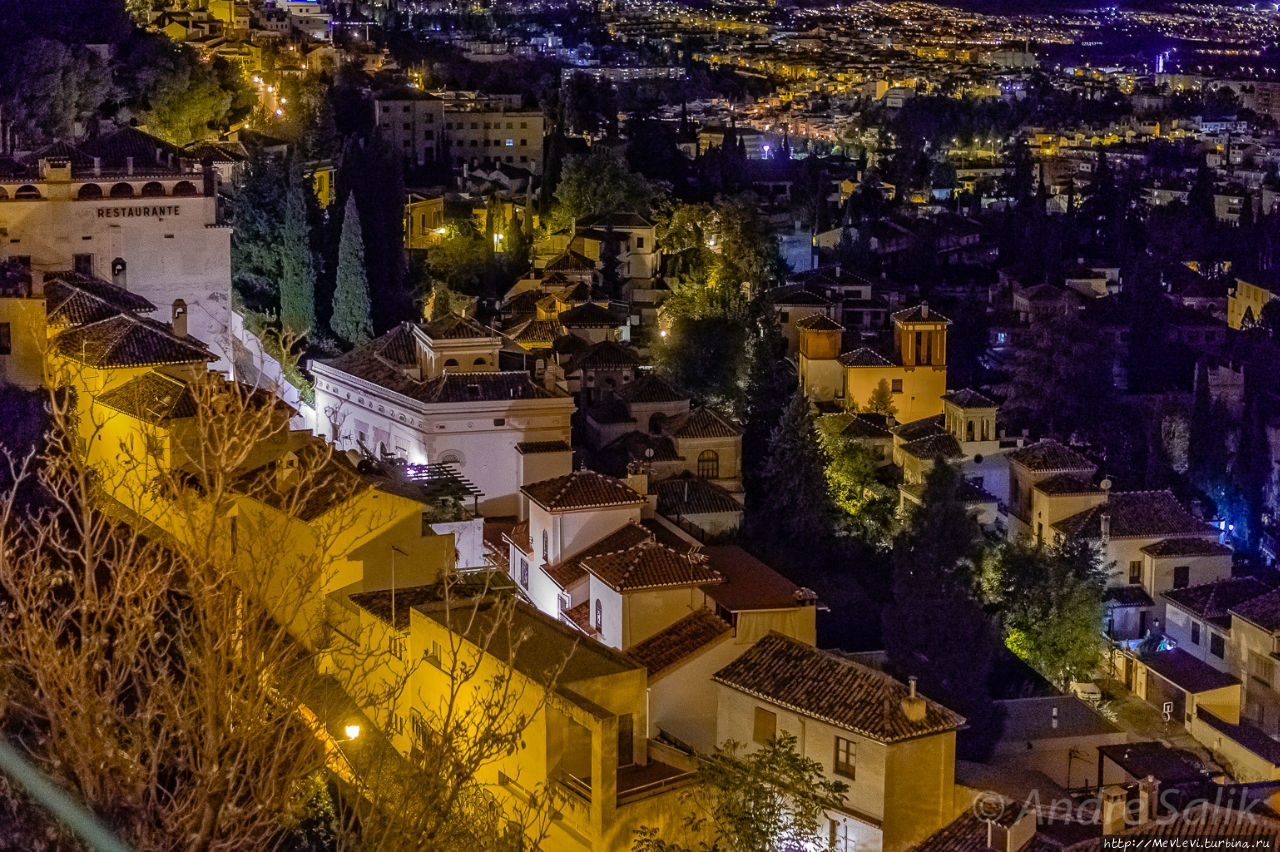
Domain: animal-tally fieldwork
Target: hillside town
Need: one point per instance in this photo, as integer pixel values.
(642, 426)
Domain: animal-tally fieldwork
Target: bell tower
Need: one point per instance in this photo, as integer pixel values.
(920, 337)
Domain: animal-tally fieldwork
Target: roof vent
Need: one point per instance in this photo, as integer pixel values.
(924, 310)
(913, 706)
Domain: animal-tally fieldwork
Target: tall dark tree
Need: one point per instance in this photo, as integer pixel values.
(1251, 469)
(351, 309)
(793, 475)
(936, 628)
(611, 264)
(1204, 431)
(769, 386)
(297, 268)
(373, 174)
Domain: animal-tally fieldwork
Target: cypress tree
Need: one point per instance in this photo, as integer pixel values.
(297, 269)
(794, 480)
(936, 628)
(769, 386)
(1199, 443)
(351, 308)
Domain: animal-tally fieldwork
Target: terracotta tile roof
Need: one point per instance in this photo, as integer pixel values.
(688, 495)
(798, 294)
(1214, 601)
(920, 313)
(1171, 547)
(399, 346)
(864, 357)
(1049, 455)
(588, 315)
(617, 220)
(818, 322)
(571, 261)
(866, 426)
(651, 388)
(74, 299)
(126, 340)
(702, 422)
(943, 446)
(567, 572)
(1264, 610)
(531, 447)
(536, 331)
(487, 387)
(454, 327)
(681, 640)
(611, 409)
(580, 616)
(1136, 514)
(836, 690)
(637, 444)
(582, 489)
(1065, 483)
(1122, 597)
(968, 398)
(650, 565)
(152, 397)
(605, 355)
(922, 428)
(519, 536)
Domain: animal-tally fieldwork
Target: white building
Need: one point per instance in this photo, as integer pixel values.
(433, 392)
(127, 208)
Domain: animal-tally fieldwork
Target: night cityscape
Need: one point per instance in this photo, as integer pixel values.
(639, 425)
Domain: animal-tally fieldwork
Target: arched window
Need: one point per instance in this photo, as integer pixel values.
(4, 193)
(450, 457)
(599, 617)
(546, 546)
(656, 422)
(89, 190)
(122, 190)
(152, 189)
(27, 191)
(479, 362)
(185, 188)
(708, 464)
(452, 362)
(119, 272)
(969, 431)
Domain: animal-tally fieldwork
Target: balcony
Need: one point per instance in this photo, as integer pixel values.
(635, 782)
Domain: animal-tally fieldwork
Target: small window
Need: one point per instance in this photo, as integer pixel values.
(1260, 668)
(1195, 633)
(766, 725)
(846, 751)
(1217, 645)
(1135, 572)
(784, 317)
(896, 386)
(547, 549)
(83, 264)
(426, 525)
(1181, 576)
(639, 242)
(524, 572)
(599, 617)
(499, 421)
(708, 465)
(6, 340)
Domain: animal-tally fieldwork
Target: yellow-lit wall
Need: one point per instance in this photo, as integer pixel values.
(1246, 297)
(921, 395)
(24, 365)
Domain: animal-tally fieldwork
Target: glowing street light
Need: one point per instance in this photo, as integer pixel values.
(352, 731)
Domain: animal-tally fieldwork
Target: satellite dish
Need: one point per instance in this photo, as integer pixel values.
(648, 452)
(1105, 484)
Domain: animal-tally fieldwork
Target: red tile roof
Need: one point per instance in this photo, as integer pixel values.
(704, 423)
(1136, 514)
(650, 565)
(678, 642)
(126, 340)
(1049, 455)
(836, 690)
(567, 572)
(152, 397)
(582, 489)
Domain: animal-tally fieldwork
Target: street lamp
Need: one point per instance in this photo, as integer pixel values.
(352, 731)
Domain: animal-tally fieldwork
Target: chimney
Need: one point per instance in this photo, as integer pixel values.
(179, 321)
(128, 165)
(1114, 802)
(924, 310)
(97, 166)
(913, 706)
(1015, 835)
(1105, 523)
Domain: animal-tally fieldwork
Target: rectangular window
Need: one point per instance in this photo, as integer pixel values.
(1260, 668)
(846, 751)
(83, 264)
(1195, 633)
(1135, 572)
(639, 242)
(766, 725)
(1181, 576)
(784, 317)
(6, 339)
(896, 386)
(396, 643)
(626, 746)
(524, 572)
(1217, 645)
